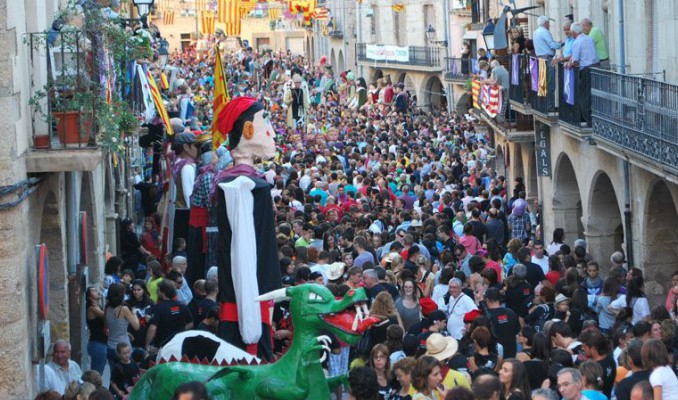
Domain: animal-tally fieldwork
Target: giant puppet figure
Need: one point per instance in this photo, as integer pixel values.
(247, 265)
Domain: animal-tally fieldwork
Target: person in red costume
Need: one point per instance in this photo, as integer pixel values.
(245, 215)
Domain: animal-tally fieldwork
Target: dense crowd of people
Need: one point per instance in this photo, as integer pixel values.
(372, 192)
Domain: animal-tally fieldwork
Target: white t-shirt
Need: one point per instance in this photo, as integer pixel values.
(455, 314)
(641, 308)
(543, 263)
(663, 376)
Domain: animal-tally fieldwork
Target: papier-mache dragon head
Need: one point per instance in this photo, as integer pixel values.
(313, 308)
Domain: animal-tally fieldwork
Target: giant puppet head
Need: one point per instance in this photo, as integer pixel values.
(249, 131)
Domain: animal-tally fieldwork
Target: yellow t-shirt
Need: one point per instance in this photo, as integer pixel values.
(153, 289)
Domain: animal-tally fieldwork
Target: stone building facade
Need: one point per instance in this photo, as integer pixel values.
(72, 182)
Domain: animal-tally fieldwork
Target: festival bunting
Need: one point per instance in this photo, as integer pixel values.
(321, 14)
(202, 5)
(534, 74)
(568, 85)
(543, 85)
(398, 7)
(486, 97)
(307, 7)
(159, 105)
(221, 98)
(515, 69)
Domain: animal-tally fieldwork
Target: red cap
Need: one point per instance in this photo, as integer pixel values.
(427, 306)
(231, 112)
(471, 315)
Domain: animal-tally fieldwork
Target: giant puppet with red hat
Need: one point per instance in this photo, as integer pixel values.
(245, 217)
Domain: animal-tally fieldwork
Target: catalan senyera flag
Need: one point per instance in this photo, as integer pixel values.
(229, 15)
(168, 17)
(273, 13)
(202, 5)
(221, 98)
(398, 7)
(207, 22)
(164, 84)
(159, 105)
(321, 14)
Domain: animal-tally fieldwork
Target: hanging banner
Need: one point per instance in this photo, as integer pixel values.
(486, 97)
(542, 146)
(387, 53)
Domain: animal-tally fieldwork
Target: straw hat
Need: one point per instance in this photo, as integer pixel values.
(335, 270)
(441, 347)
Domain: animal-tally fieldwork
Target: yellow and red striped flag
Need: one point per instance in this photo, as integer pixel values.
(398, 7)
(159, 105)
(207, 22)
(229, 15)
(168, 17)
(163, 81)
(221, 98)
(202, 5)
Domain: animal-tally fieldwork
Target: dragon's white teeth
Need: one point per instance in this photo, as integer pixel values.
(366, 310)
(355, 323)
(359, 313)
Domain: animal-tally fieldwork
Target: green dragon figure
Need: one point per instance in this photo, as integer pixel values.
(297, 374)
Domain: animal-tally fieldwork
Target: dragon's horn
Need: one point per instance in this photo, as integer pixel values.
(275, 295)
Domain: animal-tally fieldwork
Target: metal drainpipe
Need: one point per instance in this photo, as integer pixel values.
(72, 222)
(446, 22)
(628, 225)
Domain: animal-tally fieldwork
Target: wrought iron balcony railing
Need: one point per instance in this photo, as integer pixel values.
(530, 86)
(420, 56)
(458, 69)
(637, 114)
(573, 109)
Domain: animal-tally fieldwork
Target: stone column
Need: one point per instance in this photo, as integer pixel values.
(601, 247)
(568, 219)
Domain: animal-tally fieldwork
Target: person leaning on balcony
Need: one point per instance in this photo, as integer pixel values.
(500, 76)
(567, 44)
(584, 56)
(598, 38)
(545, 47)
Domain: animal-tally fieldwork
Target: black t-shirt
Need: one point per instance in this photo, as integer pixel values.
(479, 230)
(534, 273)
(123, 375)
(374, 291)
(203, 308)
(516, 297)
(623, 389)
(506, 326)
(609, 374)
(170, 317)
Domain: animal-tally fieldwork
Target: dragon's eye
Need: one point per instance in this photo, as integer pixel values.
(314, 297)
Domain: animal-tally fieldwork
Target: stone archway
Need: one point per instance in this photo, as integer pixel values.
(333, 59)
(500, 161)
(518, 169)
(434, 94)
(604, 228)
(531, 179)
(661, 243)
(567, 206)
(378, 74)
(341, 63)
(52, 231)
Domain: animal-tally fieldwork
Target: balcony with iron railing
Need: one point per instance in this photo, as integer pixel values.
(458, 69)
(573, 110)
(636, 116)
(533, 85)
(417, 57)
(75, 100)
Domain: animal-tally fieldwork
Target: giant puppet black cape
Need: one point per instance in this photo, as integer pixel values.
(268, 267)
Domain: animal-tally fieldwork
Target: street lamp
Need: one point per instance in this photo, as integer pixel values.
(488, 35)
(143, 9)
(431, 34)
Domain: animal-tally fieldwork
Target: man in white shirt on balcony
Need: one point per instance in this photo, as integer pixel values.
(584, 56)
(545, 47)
